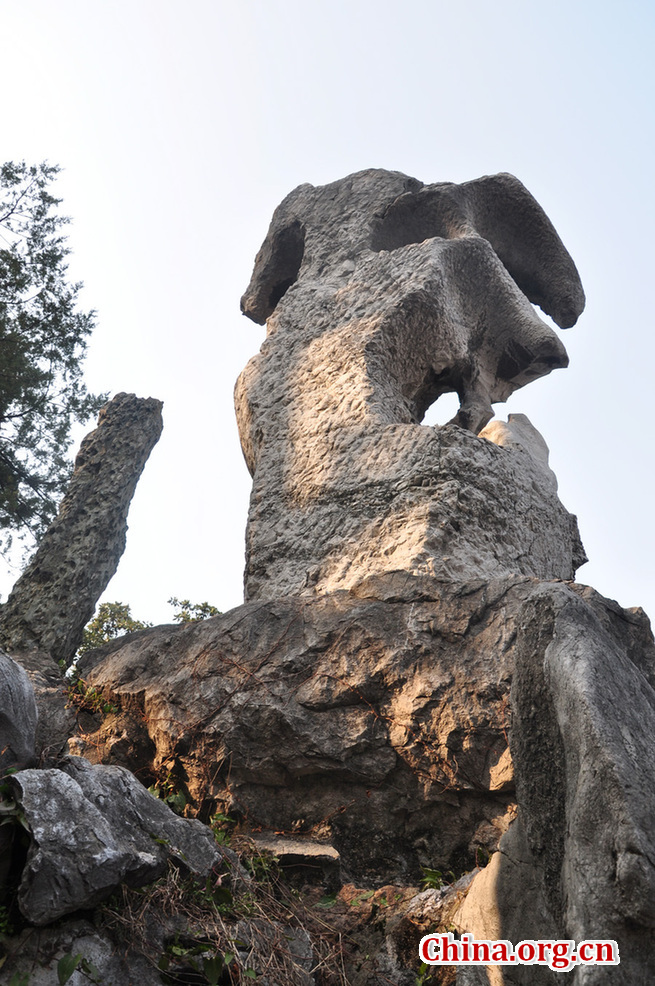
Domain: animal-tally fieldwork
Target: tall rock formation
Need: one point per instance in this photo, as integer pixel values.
(381, 294)
(56, 595)
(414, 680)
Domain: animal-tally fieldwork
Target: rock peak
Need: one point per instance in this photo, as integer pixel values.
(381, 294)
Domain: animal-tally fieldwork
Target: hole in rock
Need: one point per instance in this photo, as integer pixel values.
(442, 411)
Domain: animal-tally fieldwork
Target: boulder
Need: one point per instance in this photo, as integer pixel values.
(376, 721)
(93, 828)
(33, 956)
(505, 901)
(376, 718)
(18, 726)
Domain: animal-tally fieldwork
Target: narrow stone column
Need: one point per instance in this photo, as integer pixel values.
(57, 593)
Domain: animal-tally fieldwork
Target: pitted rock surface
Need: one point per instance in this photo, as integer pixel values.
(381, 294)
(57, 593)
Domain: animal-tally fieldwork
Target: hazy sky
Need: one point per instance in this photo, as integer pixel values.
(181, 126)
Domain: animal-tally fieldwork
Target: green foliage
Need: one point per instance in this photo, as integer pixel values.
(113, 620)
(66, 967)
(69, 963)
(110, 621)
(167, 791)
(425, 974)
(262, 866)
(188, 612)
(222, 825)
(196, 956)
(327, 901)
(360, 898)
(88, 699)
(43, 339)
(434, 879)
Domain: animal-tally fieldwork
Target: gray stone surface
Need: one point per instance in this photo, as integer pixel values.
(381, 294)
(18, 725)
(93, 828)
(56, 719)
(379, 716)
(583, 744)
(36, 952)
(505, 901)
(18, 715)
(57, 593)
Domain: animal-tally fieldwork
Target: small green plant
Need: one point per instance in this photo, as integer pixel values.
(482, 857)
(360, 898)
(19, 979)
(424, 974)
(329, 900)
(88, 699)
(262, 866)
(214, 894)
(221, 826)
(435, 879)
(67, 965)
(167, 791)
(194, 955)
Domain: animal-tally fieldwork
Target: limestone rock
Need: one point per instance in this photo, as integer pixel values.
(428, 501)
(381, 294)
(519, 433)
(314, 861)
(33, 957)
(18, 723)
(56, 719)
(505, 901)
(377, 719)
(18, 716)
(578, 861)
(56, 594)
(583, 746)
(383, 711)
(93, 828)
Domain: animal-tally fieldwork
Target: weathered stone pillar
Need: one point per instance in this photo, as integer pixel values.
(57, 593)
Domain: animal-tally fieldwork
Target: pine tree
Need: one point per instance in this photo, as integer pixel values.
(43, 339)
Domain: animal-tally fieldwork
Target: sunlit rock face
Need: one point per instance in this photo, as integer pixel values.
(380, 294)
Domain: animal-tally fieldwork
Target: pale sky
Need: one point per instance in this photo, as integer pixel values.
(180, 128)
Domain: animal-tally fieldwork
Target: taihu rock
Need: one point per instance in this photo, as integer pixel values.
(379, 718)
(380, 295)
